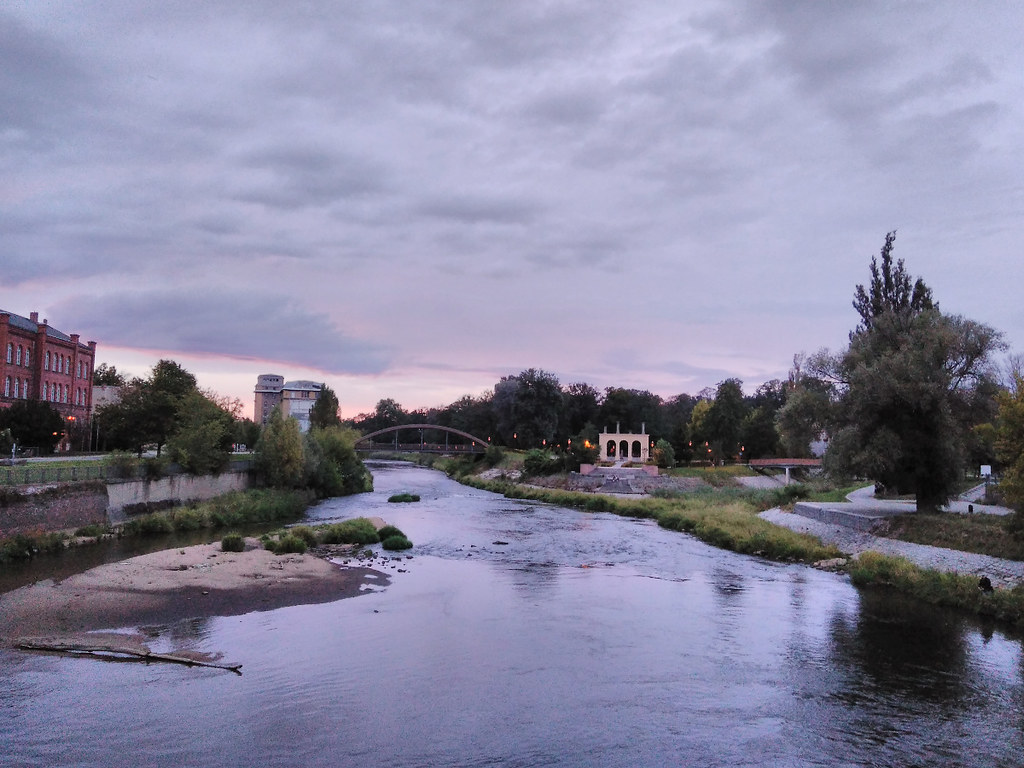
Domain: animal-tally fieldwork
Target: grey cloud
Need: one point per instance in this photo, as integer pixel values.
(226, 324)
(473, 209)
(41, 83)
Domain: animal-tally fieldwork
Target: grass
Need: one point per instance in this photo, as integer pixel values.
(403, 498)
(231, 510)
(982, 534)
(358, 532)
(873, 570)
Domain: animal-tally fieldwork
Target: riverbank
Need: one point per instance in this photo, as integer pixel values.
(164, 587)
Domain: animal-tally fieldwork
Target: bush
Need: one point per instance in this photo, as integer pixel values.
(287, 544)
(493, 455)
(356, 531)
(403, 498)
(148, 525)
(389, 530)
(396, 543)
(187, 519)
(93, 529)
(122, 464)
(305, 533)
(232, 542)
(538, 463)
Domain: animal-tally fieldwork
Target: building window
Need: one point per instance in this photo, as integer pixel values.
(27, 357)
(10, 352)
(19, 356)
(16, 383)
(46, 362)
(7, 387)
(67, 392)
(46, 390)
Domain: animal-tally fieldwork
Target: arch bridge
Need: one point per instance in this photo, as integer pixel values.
(476, 444)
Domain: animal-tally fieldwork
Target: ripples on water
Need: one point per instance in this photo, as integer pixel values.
(581, 640)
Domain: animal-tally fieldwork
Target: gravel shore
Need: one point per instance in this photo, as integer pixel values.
(853, 542)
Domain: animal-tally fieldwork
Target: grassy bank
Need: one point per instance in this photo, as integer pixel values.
(953, 590)
(232, 510)
(983, 534)
(730, 523)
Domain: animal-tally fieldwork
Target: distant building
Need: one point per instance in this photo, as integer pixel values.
(268, 396)
(38, 362)
(296, 398)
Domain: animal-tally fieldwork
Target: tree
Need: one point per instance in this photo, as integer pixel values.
(279, 454)
(324, 412)
(527, 408)
(147, 412)
(904, 384)
(664, 455)
(33, 424)
(724, 419)
(107, 376)
(1010, 442)
(204, 433)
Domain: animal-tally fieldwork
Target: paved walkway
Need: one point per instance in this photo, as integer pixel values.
(853, 542)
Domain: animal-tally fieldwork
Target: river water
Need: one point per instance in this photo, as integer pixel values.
(520, 634)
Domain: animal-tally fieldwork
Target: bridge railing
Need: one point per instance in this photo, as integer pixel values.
(420, 447)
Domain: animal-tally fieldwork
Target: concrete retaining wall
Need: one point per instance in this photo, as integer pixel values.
(72, 505)
(179, 489)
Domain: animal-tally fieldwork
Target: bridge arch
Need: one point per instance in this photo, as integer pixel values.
(477, 445)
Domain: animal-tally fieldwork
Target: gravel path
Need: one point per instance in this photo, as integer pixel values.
(852, 542)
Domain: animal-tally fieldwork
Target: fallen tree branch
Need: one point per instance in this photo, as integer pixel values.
(108, 651)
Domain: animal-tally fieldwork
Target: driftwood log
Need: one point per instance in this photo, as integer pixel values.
(128, 651)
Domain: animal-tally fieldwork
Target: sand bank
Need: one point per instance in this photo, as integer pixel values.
(164, 587)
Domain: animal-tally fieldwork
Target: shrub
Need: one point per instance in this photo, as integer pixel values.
(287, 544)
(493, 455)
(148, 525)
(305, 533)
(356, 531)
(121, 464)
(389, 530)
(396, 543)
(404, 498)
(187, 519)
(232, 542)
(538, 463)
(93, 529)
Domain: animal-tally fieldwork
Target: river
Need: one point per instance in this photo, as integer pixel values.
(520, 634)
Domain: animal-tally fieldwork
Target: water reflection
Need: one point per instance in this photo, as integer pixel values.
(585, 640)
(899, 646)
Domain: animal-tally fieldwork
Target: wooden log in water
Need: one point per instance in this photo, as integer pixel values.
(124, 652)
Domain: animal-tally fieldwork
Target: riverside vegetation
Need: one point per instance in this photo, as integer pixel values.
(726, 516)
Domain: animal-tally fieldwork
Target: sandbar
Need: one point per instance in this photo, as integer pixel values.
(165, 587)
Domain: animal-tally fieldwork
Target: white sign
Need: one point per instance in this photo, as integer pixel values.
(986, 470)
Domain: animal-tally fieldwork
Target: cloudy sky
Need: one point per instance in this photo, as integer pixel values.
(412, 199)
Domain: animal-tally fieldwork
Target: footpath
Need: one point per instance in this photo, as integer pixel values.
(847, 526)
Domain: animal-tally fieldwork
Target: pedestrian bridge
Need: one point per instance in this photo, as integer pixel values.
(474, 445)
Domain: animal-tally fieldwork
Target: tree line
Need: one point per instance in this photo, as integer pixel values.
(915, 398)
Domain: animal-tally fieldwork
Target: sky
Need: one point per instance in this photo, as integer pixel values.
(413, 199)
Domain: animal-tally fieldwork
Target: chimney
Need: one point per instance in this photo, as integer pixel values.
(34, 317)
(643, 427)
(616, 427)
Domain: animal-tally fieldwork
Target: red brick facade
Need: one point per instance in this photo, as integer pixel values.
(38, 362)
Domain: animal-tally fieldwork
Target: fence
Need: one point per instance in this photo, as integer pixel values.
(42, 472)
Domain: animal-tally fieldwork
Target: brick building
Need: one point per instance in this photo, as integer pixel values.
(38, 362)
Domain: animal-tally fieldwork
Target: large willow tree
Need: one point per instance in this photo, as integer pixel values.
(905, 386)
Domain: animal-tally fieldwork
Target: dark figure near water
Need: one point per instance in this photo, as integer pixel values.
(985, 584)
